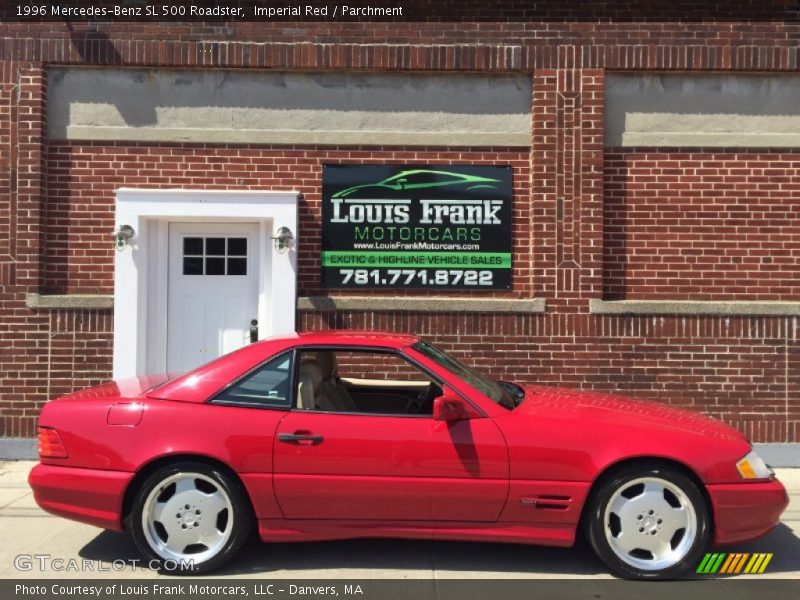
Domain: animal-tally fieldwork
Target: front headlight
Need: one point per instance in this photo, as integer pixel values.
(753, 466)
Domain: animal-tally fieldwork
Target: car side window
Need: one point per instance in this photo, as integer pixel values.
(363, 382)
(268, 386)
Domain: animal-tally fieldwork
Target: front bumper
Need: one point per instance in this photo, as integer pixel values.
(747, 510)
(87, 495)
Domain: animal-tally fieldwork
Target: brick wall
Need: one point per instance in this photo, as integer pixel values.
(82, 179)
(582, 227)
(736, 44)
(567, 175)
(719, 225)
(372, 365)
(22, 335)
(8, 169)
(733, 369)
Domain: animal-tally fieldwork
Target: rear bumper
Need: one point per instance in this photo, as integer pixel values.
(87, 495)
(744, 511)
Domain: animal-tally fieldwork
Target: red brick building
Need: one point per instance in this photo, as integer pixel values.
(656, 191)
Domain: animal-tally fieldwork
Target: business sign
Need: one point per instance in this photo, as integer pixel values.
(416, 227)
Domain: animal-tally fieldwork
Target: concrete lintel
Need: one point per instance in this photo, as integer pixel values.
(270, 107)
(728, 110)
(73, 301)
(694, 307)
(295, 137)
(436, 304)
(701, 139)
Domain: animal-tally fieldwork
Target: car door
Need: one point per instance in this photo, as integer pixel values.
(361, 466)
(357, 466)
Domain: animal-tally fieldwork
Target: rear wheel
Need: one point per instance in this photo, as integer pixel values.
(189, 517)
(649, 523)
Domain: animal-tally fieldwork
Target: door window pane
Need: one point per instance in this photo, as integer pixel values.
(192, 265)
(210, 256)
(215, 246)
(269, 385)
(363, 382)
(193, 245)
(237, 246)
(237, 266)
(215, 266)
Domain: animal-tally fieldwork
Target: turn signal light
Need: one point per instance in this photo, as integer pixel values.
(753, 466)
(50, 445)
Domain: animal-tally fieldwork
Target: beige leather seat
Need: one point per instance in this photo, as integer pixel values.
(332, 386)
(311, 393)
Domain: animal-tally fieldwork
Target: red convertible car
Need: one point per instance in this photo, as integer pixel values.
(335, 435)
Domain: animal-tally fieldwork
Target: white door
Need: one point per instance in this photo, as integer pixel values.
(212, 294)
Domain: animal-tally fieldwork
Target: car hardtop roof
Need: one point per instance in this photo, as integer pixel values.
(200, 384)
(352, 337)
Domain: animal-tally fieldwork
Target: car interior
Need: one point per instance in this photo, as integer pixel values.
(363, 382)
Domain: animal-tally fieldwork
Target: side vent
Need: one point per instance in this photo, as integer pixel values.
(547, 502)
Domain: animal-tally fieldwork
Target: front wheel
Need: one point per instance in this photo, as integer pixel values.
(190, 518)
(649, 523)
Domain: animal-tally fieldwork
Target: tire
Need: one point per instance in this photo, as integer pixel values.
(648, 523)
(190, 518)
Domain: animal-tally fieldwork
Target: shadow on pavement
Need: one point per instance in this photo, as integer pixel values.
(781, 541)
(392, 558)
(396, 558)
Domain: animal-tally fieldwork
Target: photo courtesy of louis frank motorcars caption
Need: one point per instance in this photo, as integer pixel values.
(345, 434)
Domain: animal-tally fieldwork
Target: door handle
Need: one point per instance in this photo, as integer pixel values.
(300, 438)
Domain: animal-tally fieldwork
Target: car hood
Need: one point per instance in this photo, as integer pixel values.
(600, 408)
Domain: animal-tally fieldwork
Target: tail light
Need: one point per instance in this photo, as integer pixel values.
(50, 445)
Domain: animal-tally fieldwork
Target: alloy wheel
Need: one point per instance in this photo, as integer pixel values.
(650, 523)
(188, 516)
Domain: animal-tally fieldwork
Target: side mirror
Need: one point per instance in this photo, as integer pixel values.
(452, 407)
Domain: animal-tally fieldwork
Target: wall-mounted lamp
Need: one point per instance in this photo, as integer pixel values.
(123, 236)
(282, 240)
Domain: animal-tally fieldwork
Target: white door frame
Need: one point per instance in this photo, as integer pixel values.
(140, 270)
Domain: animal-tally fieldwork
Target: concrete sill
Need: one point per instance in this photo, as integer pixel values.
(694, 307)
(69, 301)
(431, 304)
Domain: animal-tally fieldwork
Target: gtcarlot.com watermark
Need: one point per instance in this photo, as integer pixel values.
(48, 563)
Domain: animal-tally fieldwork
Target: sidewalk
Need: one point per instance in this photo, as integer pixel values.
(28, 530)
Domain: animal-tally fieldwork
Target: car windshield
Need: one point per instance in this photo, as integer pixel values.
(496, 391)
